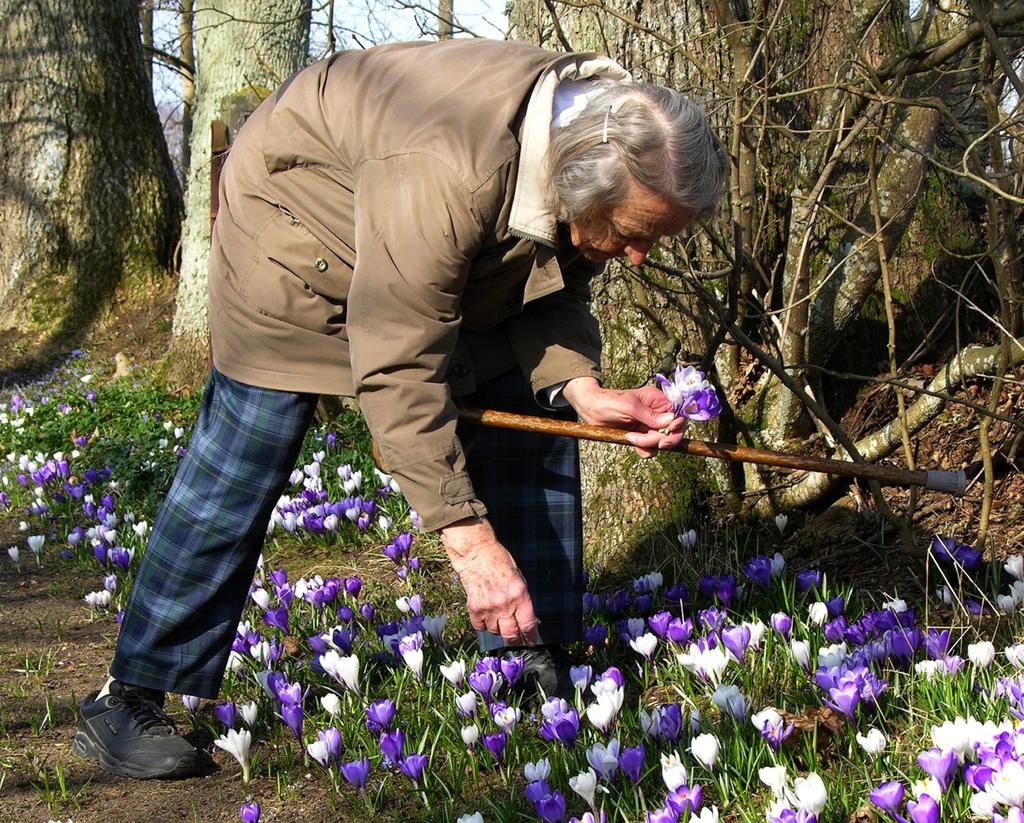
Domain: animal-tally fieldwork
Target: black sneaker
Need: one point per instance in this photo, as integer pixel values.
(546, 672)
(128, 733)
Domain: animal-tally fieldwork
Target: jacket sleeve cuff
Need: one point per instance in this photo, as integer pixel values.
(440, 490)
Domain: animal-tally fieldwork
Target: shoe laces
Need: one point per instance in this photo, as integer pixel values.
(144, 711)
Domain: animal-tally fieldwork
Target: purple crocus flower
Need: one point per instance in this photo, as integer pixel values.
(190, 702)
(551, 807)
(835, 630)
(379, 715)
(356, 772)
(790, 816)
(936, 643)
(250, 813)
(291, 713)
(680, 631)
(939, 764)
(845, 699)
(659, 624)
(775, 733)
(923, 810)
(277, 618)
(495, 744)
(511, 669)
(836, 606)
(666, 814)
(809, 580)
(631, 761)
(412, 766)
(685, 799)
(226, 713)
(888, 797)
(561, 722)
(782, 623)
(670, 723)
(483, 683)
(595, 635)
(759, 569)
(536, 789)
(353, 585)
(736, 639)
(391, 745)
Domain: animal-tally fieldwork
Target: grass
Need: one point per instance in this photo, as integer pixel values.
(102, 454)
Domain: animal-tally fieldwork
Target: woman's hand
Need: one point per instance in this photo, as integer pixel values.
(645, 412)
(496, 594)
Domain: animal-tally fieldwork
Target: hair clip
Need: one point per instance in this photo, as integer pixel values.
(604, 131)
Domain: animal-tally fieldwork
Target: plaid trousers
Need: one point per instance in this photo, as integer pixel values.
(191, 587)
(530, 484)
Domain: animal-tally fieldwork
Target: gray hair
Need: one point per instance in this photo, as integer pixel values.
(641, 132)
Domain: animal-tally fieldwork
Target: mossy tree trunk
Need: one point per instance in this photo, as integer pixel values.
(826, 109)
(244, 49)
(88, 198)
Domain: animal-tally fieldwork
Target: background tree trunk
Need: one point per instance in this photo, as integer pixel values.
(244, 49)
(826, 109)
(88, 198)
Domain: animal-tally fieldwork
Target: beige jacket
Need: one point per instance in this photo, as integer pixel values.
(384, 232)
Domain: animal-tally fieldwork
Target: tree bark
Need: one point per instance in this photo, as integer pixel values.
(88, 197)
(244, 49)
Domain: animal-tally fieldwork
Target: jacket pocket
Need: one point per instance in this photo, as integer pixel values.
(297, 279)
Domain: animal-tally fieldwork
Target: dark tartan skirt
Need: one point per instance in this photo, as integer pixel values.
(531, 487)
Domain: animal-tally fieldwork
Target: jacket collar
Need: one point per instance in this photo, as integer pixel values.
(532, 215)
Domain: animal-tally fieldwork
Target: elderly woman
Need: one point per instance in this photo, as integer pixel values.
(413, 225)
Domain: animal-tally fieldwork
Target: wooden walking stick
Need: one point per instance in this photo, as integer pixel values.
(950, 482)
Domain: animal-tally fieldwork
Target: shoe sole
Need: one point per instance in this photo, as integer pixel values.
(82, 746)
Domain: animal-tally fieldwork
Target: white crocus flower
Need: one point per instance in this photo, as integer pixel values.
(817, 613)
(801, 650)
(248, 711)
(1015, 655)
(709, 814)
(344, 669)
(833, 655)
(781, 521)
(98, 600)
(809, 793)
(705, 748)
(982, 653)
(475, 817)
(687, 539)
(470, 734)
(454, 672)
(414, 660)
(774, 777)
(757, 630)
(15, 554)
(673, 772)
(537, 771)
(1014, 566)
(602, 712)
(945, 595)
(1006, 603)
(506, 718)
(261, 597)
(331, 704)
(35, 543)
(585, 785)
(926, 786)
(644, 645)
(873, 743)
(1007, 785)
(236, 743)
(983, 805)
(767, 716)
(466, 703)
(778, 564)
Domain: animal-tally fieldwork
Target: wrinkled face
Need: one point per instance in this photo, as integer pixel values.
(630, 227)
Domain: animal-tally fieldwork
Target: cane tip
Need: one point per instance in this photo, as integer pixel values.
(954, 483)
